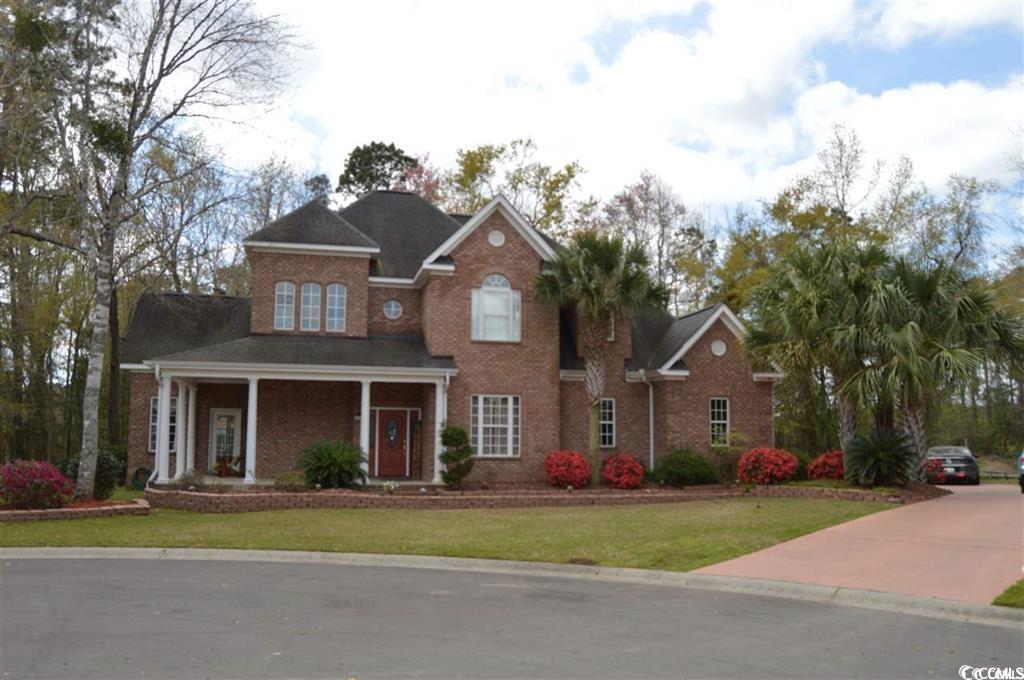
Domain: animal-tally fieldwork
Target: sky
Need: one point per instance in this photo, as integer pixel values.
(727, 101)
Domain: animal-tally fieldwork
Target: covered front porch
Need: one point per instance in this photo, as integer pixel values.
(248, 425)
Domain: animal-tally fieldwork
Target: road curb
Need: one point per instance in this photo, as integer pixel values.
(849, 597)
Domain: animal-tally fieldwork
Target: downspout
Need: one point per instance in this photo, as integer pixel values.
(650, 419)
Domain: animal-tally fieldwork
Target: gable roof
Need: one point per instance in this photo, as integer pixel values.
(407, 228)
(687, 330)
(498, 203)
(175, 322)
(313, 224)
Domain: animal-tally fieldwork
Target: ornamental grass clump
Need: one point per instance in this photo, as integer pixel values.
(767, 466)
(622, 471)
(567, 468)
(826, 466)
(333, 464)
(34, 485)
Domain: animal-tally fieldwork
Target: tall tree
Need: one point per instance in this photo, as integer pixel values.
(600, 278)
(373, 166)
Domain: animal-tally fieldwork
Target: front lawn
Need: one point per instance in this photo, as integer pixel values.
(1012, 596)
(679, 536)
(842, 484)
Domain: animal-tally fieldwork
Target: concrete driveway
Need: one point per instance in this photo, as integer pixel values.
(109, 618)
(967, 546)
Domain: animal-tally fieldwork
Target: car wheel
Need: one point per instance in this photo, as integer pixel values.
(975, 482)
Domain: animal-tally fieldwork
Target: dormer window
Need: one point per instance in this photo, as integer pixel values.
(496, 310)
(336, 298)
(284, 306)
(310, 317)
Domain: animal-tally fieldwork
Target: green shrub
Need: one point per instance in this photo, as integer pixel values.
(333, 464)
(685, 467)
(110, 470)
(883, 458)
(457, 456)
(293, 480)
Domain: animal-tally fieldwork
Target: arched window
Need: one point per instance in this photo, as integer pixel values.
(336, 297)
(496, 310)
(284, 306)
(310, 316)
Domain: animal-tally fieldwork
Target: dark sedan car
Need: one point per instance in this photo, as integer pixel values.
(958, 463)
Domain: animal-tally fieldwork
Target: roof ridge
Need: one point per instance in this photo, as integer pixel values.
(169, 293)
(699, 311)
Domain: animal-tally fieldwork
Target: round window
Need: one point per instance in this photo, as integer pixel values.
(392, 309)
(718, 348)
(496, 238)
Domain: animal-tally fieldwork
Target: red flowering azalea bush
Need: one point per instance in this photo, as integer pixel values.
(567, 468)
(622, 471)
(934, 471)
(826, 466)
(34, 485)
(767, 466)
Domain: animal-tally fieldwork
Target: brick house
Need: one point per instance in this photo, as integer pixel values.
(380, 323)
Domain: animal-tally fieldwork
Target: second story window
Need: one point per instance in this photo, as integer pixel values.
(310, 317)
(284, 306)
(336, 294)
(496, 310)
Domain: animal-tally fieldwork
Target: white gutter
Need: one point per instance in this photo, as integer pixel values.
(650, 419)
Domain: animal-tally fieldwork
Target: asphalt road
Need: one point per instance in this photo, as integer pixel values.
(193, 619)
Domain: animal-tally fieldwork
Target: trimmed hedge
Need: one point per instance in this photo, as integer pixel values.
(685, 467)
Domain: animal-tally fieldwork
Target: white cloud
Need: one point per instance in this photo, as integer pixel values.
(727, 112)
(899, 23)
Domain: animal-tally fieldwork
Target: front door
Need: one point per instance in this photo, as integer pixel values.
(225, 437)
(392, 443)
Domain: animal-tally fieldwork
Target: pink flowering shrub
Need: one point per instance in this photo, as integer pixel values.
(34, 485)
(826, 466)
(622, 471)
(567, 468)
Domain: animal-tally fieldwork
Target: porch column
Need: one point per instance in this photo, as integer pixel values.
(440, 404)
(250, 434)
(364, 424)
(163, 431)
(190, 451)
(181, 425)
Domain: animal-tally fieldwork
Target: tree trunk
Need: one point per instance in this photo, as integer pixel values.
(847, 420)
(100, 321)
(593, 383)
(912, 416)
(114, 384)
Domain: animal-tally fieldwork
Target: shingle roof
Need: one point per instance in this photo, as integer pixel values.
(407, 227)
(315, 224)
(382, 351)
(656, 336)
(174, 322)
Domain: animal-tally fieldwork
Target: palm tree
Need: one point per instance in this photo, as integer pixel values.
(810, 315)
(602, 279)
(932, 326)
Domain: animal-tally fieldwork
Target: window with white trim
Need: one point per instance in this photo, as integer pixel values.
(337, 296)
(606, 423)
(284, 306)
(719, 418)
(496, 312)
(310, 317)
(494, 425)
(154, 423)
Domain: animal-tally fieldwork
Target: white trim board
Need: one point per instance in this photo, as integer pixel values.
(310, 248)
(514, 218)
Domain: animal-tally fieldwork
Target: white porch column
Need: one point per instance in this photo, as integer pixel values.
(364, 424)
(181, 425)
(440, 406)
(163, 431)
(190, 451)
(250, 434)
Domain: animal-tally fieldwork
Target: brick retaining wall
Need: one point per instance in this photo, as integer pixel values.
(136, 507)
(198, 501)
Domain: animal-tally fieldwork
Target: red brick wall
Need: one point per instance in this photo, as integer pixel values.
(528, 368)
(411, 321)
(270, 268)
(681, 407)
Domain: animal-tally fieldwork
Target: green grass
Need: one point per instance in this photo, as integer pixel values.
(679, 537)
(125, 493)
(1012, 596)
